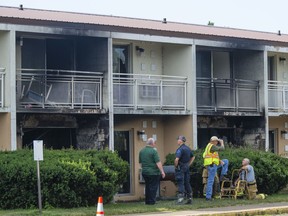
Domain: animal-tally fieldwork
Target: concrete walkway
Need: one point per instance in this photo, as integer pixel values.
(258, 209)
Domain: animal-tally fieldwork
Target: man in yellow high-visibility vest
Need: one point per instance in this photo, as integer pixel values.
(212, 162)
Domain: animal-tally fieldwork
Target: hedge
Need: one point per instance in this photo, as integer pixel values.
(69, 178)
(270, 169)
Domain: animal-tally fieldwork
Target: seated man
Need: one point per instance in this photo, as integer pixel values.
(247, 173)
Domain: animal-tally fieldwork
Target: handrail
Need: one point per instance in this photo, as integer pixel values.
(149, 75)
(140, 91)
(227, 94)
(46, 88)
(64, 71)
(201, 79)
(277, 96)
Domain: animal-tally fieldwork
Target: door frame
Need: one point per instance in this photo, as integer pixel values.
(275, 130)
(132, 161)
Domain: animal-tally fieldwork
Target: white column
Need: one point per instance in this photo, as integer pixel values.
(265, 56)
(12, 88)
(194, 97)
(110, 94)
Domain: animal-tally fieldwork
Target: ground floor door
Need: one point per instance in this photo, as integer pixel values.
(273, 140)
(122, 144)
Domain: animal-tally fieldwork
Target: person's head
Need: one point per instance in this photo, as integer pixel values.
(181, 139)
(214, 140)
(151, 142)
(245, 162)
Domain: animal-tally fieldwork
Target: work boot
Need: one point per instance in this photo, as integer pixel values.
(180, 199)
(189, 199)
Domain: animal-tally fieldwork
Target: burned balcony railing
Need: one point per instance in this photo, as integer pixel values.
(140, 91)
(2, 75)
(277, 96)
(228, 95)
(38, 88)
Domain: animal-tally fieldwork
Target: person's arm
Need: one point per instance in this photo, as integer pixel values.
(160, 167)
(246, 168)
(215, 148)
(177, 157)
(176, 162)
(191, 160)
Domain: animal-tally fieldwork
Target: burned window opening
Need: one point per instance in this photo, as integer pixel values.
(62, 73)
(60, 54)
(54, 138)
(235, 131)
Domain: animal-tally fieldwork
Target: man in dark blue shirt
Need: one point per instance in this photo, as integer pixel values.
(184, 158)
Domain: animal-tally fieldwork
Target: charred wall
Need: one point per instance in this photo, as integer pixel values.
(63, 131)
(236, 131)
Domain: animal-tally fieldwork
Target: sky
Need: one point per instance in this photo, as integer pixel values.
(259, 15)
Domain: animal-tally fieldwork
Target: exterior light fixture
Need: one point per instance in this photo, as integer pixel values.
(140, 49)
(142, 136)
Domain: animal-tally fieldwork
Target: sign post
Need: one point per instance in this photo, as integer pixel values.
(38, 156)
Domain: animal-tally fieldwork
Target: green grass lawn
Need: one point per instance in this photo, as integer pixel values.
(139, 207)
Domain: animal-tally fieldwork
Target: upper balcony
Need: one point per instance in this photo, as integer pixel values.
(277, 97)
(63, 90)
(2, 79)
(227, 96)
(156, 93)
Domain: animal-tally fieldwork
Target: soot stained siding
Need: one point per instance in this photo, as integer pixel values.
(236, 131)
(93, 133)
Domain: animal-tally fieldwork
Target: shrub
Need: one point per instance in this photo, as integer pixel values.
(69, 178)
(270, 169)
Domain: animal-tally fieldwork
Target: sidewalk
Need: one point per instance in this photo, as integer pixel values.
(259, 209)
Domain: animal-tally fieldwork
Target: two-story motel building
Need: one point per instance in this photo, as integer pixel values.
(93, 81)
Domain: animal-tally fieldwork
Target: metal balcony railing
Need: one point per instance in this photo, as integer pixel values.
(228, 95)
(277, 96)
(140, 91)
(2, 79)
(37, 88)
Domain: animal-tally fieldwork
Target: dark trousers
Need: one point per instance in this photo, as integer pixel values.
(151, 187)
(182, 178)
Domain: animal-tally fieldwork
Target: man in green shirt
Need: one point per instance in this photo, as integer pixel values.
(151, 170)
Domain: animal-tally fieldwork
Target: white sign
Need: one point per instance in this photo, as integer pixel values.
(38, 150)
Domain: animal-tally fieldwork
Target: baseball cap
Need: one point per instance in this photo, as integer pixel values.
(181, 138)
(214, 138)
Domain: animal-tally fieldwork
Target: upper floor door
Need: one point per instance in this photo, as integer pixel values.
(272, 68)
(122, 85)
(121, 59)
(213, 64)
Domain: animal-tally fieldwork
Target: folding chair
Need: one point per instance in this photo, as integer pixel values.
(228, 189)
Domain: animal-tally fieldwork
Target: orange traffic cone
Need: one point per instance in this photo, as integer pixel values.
(100, 209)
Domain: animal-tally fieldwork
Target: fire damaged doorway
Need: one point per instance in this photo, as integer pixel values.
(122, 145)
(53, 138)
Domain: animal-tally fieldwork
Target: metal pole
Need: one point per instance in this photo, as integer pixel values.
(39, 188)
